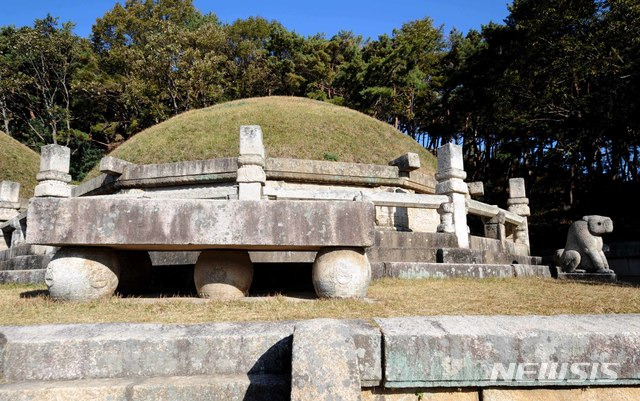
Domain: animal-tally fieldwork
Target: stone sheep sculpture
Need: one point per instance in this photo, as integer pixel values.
(583, 250)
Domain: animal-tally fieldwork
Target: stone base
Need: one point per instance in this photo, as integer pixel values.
(57, 189)
(82, 274)
(341, 273)
(595, 277)
(223, 274)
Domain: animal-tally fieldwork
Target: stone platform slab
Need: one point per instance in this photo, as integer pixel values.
(176, 388)
(419, 270)
(189, 224)
(34, 276)
(125, 350)
(461, 351)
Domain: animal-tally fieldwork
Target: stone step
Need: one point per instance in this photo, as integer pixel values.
(129, 351)
(459, 255)
(254, 387)
(34, 276)
(25, 249)
(401, 255)
(402, 239)
(26, 262)
(413, 270)
(121, 350)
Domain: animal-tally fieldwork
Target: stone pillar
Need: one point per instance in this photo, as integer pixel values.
(450, 181)
(494, 227)
(251, 177)
(9, 200)
(53, 178)
(518, 203)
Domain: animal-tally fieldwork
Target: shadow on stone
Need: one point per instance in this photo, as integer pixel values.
(270, 376)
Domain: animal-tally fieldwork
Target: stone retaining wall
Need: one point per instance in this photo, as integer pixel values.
(411, 358)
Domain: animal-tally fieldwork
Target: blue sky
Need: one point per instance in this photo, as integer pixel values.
(369, 18)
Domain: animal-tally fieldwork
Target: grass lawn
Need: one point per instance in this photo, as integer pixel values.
(18, 163)
(20, 304)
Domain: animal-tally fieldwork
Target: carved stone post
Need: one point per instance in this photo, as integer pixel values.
(251, 176)
(450, 181)
(9, 200)
(519, 204)
(53, 178)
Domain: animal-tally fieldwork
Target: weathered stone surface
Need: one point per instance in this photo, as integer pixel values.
(55, 158)
(135, 272)
(25, 250)
(251, 140)
(407, 162)
(399, 239)
(559, 394)
(324, 363)
(416, 394)
(26, 262)
(113, 166)
(82, 274)
(401, 255)
(57, 189)
(9, 191)
(341, 273)
(368, 342)
(93, 351)
(461, 351)
(457, 255)
(282, 256)
(174, 224)
(53, 175)
(476, 188)
(517, 188)
(174, 388)
(318, 171)
(7, 214)
(583, 250)
(174, 258)
(605, 277)
(197, 171)
(223, 274)
(418, 270)
(450, 178)
(34, 276)
(100, 185)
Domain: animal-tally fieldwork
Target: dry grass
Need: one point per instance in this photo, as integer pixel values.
(292, 127)
(18, 163)
(388, 297)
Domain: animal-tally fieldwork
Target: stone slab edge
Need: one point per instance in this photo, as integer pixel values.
(324, 363)
(112, 350)
(460, 351)
(190, 224)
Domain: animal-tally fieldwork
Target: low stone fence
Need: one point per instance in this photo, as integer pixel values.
(506, 358)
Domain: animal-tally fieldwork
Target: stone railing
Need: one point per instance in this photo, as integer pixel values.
(394, 189)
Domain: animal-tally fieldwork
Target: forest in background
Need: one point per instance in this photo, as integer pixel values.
(552, 94)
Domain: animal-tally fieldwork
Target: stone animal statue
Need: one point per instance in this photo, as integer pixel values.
(583, 250)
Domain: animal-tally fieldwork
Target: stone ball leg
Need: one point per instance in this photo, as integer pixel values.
(82, 274)
(223, 274)
(136, 271)
(341, 273)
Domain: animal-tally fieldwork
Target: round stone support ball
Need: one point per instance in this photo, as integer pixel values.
(82, 274)
(223, 274)
(341, 273)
